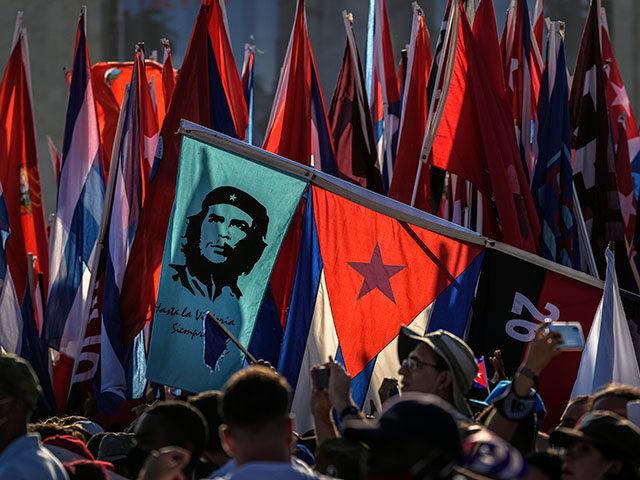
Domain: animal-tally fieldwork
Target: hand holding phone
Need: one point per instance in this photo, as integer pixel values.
(572, 337)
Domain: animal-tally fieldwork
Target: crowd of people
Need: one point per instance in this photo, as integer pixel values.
(428, 428)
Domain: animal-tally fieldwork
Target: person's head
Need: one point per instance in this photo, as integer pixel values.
(603, 445)
(227, 234)
(439, 363)
(114, 448)
(341, 458)
(546, 465)
(19, 393)
(94, 443)
(417, 435)
(164, 424)
(574, 410)
(614, 398)
(208, 404)
(255, 410)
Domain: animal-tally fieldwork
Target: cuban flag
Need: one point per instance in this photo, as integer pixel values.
(123, 367)
(360, 276)
(382, 89)
(78, 215)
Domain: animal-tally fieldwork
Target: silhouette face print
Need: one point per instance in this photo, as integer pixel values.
(224, 226)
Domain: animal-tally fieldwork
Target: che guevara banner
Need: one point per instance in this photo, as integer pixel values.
(228, 220)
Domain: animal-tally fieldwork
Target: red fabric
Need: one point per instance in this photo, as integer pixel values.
(19, 173)
(413, 126)
(168, 81)
(70, 443)
(475, 140)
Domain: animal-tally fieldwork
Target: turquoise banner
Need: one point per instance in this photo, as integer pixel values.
(229, 218)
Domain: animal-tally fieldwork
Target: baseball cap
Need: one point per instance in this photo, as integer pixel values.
(424, 417)
(604, 429)
(115, 446)
(18, 379)
(454, 351)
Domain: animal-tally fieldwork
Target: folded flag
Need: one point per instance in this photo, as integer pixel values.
(223, 237)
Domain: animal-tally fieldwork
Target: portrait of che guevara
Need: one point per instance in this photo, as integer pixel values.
(222, 241)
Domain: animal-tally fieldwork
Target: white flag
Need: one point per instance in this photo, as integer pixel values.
(608, 355)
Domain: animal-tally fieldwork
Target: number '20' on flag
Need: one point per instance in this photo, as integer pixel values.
(224, 235)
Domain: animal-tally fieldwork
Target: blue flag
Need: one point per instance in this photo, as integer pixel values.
(215, 343)
(229, 217)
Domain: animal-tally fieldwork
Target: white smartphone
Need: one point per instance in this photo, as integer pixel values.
(572, 337)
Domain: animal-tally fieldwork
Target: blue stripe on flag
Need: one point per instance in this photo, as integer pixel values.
(221, 118)
(326, 156)
(452, 307)
(303, 298)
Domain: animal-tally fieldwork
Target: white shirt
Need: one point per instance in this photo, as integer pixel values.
(294, 470)
(26, 459)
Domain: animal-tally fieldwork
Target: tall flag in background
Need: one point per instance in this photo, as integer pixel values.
(202, 96)
(474, 138)
(19, 172)
(538, 23)
(608, 354)
(552, 184)
(594, 172)
(382, 89)
(54, 155)
(123, 366)
(350, 120)
(168, 75)
(75, 230)
(618, 101)
(247, 85)
(523, 70)
(413, 123)
(298, 127)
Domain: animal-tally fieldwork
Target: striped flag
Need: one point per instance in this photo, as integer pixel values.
(538, 23)
(209, 92)
(19, 172)
(122, 367)
(552, 184)
(523, 70)
(247, 86)
(382, 89)
(75, 230)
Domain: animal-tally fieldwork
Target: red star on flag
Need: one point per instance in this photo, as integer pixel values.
(376, 275)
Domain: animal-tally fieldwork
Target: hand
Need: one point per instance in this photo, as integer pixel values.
(165, 464)
(542, 349)
(339, 390)
(498, 368)
(319, 402)
(386, 388)
(265, 363)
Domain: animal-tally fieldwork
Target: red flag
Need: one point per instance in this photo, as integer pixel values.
(168, 75)
(538, 23)
(19, 172)
(350, 121)
(199, 88)
(474, 138)
(413, 122)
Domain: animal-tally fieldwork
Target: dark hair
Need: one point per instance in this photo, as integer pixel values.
(47, 430)
(548, 462)
(615, 390)
(208, 403)
(247, 252)
(71, 419)
(186, 427)
(86, 470)
(94, 443)
(255, 396)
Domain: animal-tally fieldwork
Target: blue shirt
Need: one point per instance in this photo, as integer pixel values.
(26, 459)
